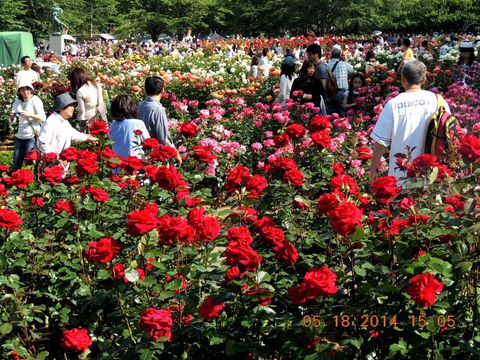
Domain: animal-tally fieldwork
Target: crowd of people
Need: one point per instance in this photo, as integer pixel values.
(131, 125)
(328, 81)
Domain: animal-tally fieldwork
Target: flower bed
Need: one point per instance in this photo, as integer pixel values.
(268, 241)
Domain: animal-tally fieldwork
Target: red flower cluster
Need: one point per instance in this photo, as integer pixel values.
(10, 220)
(98, 195)
(174, 230)
(287, 168)
(319, 123)
(168, 178)
(20, 178)
(103, 250)
(210, 308)
(158, 322)
(344, 184)
(203, 154)
(238, 252)
(86, 162)
(385, 188)
(241, 175)
(284, 249)
(53, 174)
(66, 206)
(295, 131)
(188, 129)
(470, 147)
(346, 218)
(76, 340)
(321, 138)
(423, 289)
(99, 128)
(142, 221)
(317, 282)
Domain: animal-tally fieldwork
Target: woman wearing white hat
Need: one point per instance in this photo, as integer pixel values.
(28, 111)
(467, 68)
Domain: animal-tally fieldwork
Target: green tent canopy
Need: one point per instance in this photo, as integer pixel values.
(14, 45)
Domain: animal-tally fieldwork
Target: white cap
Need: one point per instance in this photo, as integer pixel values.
(466, 45)
(25, 84)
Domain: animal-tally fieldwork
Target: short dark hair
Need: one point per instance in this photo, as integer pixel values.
(123, 107)
(407, 42)
(22, 60)
(314, 49)
(153, 85)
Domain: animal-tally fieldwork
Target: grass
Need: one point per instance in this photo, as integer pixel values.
(6, 157)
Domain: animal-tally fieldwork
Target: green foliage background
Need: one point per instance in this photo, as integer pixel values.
(248, 17)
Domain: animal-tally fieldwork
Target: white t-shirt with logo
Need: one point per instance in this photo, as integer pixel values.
(404, 121)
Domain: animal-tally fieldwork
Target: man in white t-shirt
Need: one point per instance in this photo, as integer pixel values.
(404, 120)
(26, 75)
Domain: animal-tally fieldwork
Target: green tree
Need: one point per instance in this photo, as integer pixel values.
(10, 16)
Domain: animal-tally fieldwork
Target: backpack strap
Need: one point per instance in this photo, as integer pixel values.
(334, 66)
(440, 101)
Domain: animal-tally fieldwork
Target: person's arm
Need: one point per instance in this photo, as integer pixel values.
(45, 138)
(378, 150)
(283, 89)
(160, 123)
(38, 111)
(79, 136)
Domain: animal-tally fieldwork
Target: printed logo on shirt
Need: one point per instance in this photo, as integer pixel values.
(418, 102)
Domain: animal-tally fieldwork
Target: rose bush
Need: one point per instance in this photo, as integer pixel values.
(268, 241)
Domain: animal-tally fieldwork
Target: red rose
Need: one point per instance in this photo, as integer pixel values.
(76, 340)
(208, 228)
(364, 153)
(346, 218)
(37, 201)
(103, 250)
(321, 282)
(285, 251)
(385, 188)
(455, 201)
(319, 123)
(425, 162)
(281, 140)
(50, 157)
(107, 152)
(86, 165)
(470, 147)
(338, 169)
(10, 220)
(163, 153)
(232, 273)
(140, 222)
(169, 178)
(158, 323)
(131, 164)
(192, 202)
(150, 144)
(203, 154)
(66, 206)
(32, 156)
(344, 183)
(118, 271)
(20, 178)
(98, 195)
(188, 129)
(294, 177)
(210, 308)
(235, 177)
(99, 127)
(406, 203)
(272, 234)
(295, 131)
(242, 255)
(240, 235)
(423, 289)
(174, 230)
(255, 186)
(53, 174)
(195, 215)
(138, 132)
(321, 138)
(327, 203)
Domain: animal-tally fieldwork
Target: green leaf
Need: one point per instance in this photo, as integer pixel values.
(433, 175)
(464, 266)
(6, 328)
(103, 274)
(359, 271)
(146, 354)
(358, 235)
(215, 340)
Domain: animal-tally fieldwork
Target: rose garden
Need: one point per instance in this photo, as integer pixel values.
(270, 241)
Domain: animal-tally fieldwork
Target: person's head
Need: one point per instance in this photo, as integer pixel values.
(265, 51)
(64, 105)
(288, 66)
(36, 68)
(357, 81)
(154, 85)
(335, 53)
(370, 57)
(406, 42)
(308, 70)
(123, 107)
(25, 91)
(26, 62)
(254, 61)
(467, 53)
(425, 43)
(414, 72)
(314, 52)
(78, 77)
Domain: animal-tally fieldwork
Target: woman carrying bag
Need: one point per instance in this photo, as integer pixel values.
(89, 96)
(28, 111)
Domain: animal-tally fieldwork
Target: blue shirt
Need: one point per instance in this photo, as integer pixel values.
(152, 113)
(125, 142)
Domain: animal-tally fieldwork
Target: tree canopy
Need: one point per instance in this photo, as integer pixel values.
(248, 17)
